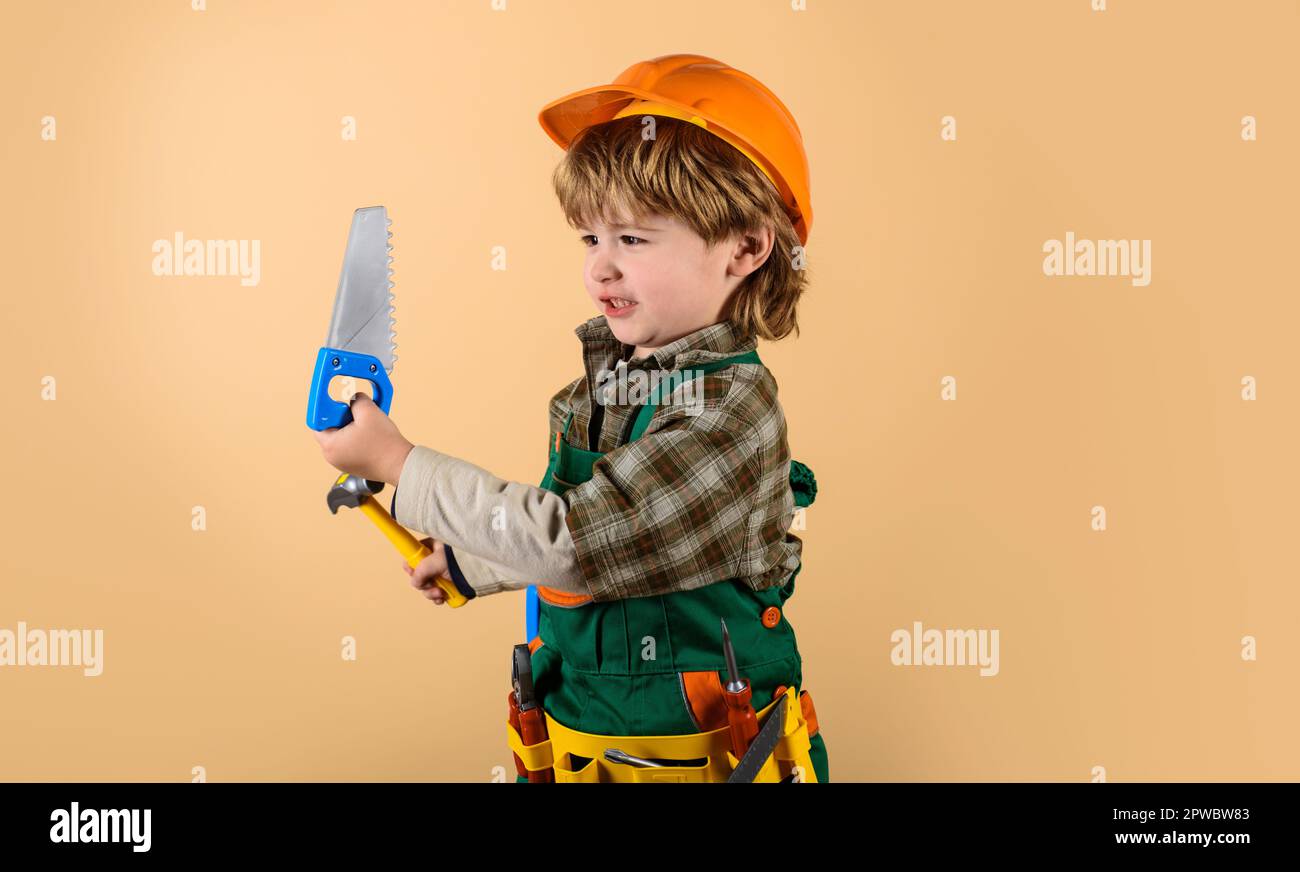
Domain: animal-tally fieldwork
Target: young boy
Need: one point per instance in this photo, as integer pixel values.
(661, 511)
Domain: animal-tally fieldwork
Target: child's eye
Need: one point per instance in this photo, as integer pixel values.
(636, 239)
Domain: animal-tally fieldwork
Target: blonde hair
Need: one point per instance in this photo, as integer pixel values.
(611, 171)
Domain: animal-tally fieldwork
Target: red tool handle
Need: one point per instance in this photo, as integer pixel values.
(514, 722)
(532, 729)
(741, 719)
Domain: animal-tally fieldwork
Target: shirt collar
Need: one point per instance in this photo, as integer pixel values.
(602, 348)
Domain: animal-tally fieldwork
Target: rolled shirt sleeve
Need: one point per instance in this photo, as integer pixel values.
(478, 576)
(506, 535)
(667, 512)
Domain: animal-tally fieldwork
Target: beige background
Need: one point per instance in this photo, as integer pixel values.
(1119, 649)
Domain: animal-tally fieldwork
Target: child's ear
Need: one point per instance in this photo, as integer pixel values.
(753, 248)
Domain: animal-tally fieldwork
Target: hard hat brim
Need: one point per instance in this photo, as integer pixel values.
(564, 118)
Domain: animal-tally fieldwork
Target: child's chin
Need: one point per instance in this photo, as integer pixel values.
(621, 328)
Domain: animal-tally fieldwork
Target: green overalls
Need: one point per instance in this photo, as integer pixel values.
(591, 671)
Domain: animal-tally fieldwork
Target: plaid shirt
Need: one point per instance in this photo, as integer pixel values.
(703, 495)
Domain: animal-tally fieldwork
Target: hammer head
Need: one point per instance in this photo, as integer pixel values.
(349, 491)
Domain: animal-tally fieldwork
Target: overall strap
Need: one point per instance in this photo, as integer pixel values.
(677, 378)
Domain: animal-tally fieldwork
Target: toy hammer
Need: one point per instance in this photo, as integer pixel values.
(353, 492)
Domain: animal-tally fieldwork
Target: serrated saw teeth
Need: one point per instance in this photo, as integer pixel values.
(365, 289)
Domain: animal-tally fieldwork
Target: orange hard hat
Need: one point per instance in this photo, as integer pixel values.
(730, 104)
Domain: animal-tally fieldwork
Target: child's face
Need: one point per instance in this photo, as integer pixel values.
(676, 283)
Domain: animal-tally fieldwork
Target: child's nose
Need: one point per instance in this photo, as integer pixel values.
(603, 266)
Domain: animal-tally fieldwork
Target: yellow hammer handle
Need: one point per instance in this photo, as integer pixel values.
(412, 549)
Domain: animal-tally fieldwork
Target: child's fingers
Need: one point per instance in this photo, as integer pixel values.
(426, 582)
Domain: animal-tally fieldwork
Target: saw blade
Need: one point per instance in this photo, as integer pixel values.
(363, 305)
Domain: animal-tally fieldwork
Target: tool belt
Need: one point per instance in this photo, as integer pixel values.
(572, 756)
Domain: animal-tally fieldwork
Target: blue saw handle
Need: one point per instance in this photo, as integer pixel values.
(323, 411)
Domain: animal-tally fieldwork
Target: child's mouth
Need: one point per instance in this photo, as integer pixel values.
(618, 311)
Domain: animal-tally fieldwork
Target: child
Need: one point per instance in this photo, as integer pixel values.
(662, 510)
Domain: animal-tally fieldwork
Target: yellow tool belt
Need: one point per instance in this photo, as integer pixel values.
(714, 747)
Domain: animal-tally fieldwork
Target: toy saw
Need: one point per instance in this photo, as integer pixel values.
(360, 345)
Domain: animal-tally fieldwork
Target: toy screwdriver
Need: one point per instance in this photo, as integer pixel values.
(737, 694)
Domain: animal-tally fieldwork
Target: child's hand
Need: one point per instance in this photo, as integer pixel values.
(423, 577)
(370, 446)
